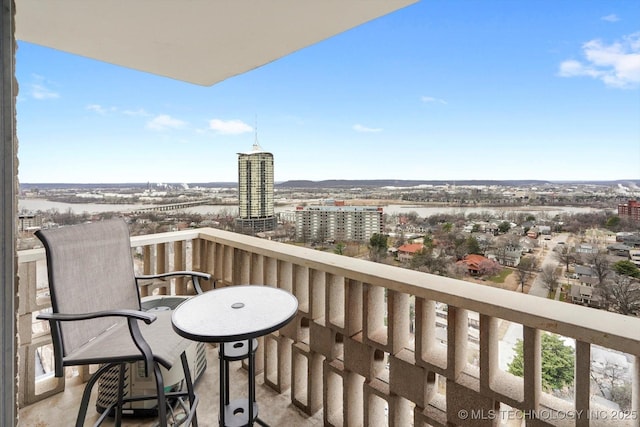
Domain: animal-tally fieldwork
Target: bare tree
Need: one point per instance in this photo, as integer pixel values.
(621, 294)
(503, 244)
(429, 261)
(600, 266)
(489, 267)
(612, 384)
(549, 276)
(456, 270)
(525, 269)
(565, 256)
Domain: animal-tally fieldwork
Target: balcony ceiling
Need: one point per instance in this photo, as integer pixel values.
(198, 41)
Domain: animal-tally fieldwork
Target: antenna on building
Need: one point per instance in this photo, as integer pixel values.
(256, 145)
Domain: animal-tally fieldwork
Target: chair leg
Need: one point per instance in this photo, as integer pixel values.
(162, 401)
(86, 395)
(193, 401)
(120, 404)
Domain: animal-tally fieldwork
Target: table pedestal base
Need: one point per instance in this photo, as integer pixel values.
(234, 317)
(236, 414)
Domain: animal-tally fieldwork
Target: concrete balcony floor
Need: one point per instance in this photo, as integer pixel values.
(274, 409)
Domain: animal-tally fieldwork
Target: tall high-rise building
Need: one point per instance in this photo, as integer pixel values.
(255, 191)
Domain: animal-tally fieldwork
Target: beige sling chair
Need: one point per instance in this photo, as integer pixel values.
(97, 318)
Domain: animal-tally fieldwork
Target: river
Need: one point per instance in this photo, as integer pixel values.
(33, 205)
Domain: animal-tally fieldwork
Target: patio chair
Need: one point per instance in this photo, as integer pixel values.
(97, 317)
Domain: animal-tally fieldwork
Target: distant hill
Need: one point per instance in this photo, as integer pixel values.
(330, 183)
(128, 185)
(377, 183)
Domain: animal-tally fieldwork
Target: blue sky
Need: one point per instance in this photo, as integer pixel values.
(441, 90)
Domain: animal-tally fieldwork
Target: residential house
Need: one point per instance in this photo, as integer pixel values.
(619, 249)
(585, 295)
(582, 271)
(631, 239)
(474, 263)
(634, 257)
(533, 232)
(528, 244)
(544, 229)
(408, 250)
(584, 248)
(492, 228)
(584, 292)
(509, 255)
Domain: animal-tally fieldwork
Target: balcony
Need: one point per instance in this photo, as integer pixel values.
(369, 345)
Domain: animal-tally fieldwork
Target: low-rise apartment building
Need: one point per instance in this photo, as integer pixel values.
(630, 209)
(341, 223)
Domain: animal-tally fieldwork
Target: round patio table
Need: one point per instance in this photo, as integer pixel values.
(232, 314)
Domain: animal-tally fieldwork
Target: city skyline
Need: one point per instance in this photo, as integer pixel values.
(531, 90)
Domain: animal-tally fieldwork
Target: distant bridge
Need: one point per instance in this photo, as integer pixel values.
(171, 206)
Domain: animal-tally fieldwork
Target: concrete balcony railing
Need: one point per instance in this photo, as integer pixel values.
(368, 339)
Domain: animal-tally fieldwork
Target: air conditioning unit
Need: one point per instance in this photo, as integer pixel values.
(136, 384)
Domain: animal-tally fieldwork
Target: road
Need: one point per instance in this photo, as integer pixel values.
(538, 287)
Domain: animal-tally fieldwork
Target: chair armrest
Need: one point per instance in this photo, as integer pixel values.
(64, 317)
(205, 276)
(132, 317)
(195, 276)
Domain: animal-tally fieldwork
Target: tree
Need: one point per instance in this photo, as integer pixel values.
(504, 226)
(610, 380)
(626, 268)
(525, 269)
(339, 249)
(621, 294)
(489, 267)
(599, 265)
(427, 261)
(378, 247)
(565, 256)
(420, 258)
(549, 277)
(613, 222)
(322, 234)
(458, 245)
(473, 247)
(557, 362)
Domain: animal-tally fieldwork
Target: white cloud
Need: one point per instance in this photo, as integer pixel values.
(41, 92)
(38, 89)
(360, 128)
(611, 18)
(164, 122)
(430, 99)
(136, 113)
(229, 127)
(616, 64)
(97, 108)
